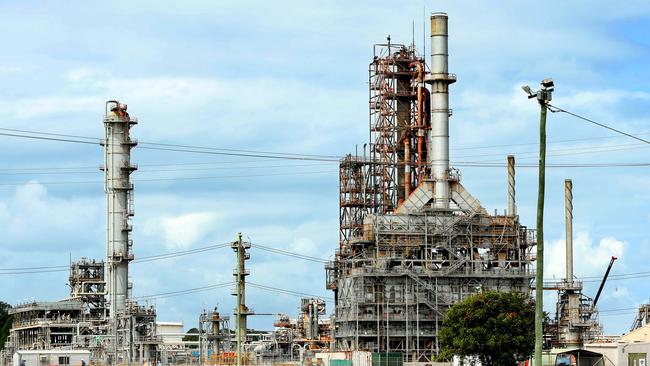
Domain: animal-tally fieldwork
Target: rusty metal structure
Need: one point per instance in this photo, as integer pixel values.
(413, 240)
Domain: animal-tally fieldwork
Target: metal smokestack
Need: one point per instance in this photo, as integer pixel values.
(568, 209)
(512, 208)
(440, 112)
(119, 202)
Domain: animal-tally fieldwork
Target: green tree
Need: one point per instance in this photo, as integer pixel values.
(5, 322)
(498, 328)
(189, 337)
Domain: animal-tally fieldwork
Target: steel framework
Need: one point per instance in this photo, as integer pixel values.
(413, 241)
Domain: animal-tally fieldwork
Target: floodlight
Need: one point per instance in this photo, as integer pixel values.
(527, 89)
(548, 83)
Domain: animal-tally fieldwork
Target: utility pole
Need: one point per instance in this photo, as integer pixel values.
(543, 96)
(241, 310)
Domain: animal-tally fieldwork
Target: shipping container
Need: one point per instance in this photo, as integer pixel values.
(361, 358)
(387, 359)
(51, 357)
(340, 362)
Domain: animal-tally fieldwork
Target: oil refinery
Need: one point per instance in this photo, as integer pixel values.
(413, 241)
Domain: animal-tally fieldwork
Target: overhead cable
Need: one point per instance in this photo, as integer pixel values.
(555, 109)
(285, 291)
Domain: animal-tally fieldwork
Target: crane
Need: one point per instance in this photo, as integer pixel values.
(602, 284)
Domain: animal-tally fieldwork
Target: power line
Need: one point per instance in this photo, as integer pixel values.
(65, 268)
(50, 134)
(96, 170)
(196, 151)
(477, 164)
(175, 179)
(177, 148)
(47, 138)
(537, 142)
(278, 155)
(285, 291)
(184, 292)
(180, 253)
(559, 165)
(555, 109)
(226, 284)
(236, 150)
(289, 254)
(96, 167)
(571, 151)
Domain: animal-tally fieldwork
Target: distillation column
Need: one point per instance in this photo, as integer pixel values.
(119, 203)
(440, 112)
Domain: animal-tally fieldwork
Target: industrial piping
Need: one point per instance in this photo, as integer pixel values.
(440, 112)
(420, 122)
(568, 210)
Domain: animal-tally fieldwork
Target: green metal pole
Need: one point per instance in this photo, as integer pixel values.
(539, 280)
(239, 276)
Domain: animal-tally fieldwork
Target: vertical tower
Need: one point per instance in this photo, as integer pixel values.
(573, 334)
(512, 206)
(119, 202)
(413, 240)
(440, 78)
(241, 310)
(568, 208)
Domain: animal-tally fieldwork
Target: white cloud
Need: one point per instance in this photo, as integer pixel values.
(589, 258)
(227, 83)
(33, 220)
(49, 106)
(182, 231)
(10, 69)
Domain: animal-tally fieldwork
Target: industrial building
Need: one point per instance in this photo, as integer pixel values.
(99, 315)
(101, 318)
(413, 240)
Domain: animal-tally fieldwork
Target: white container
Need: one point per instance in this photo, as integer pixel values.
(51, 357)
(361, 358)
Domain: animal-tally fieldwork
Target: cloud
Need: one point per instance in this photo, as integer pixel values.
(181, 231)
(293, 78)
(33, 219)
(10, 69)
(589, 258)
(49, 106)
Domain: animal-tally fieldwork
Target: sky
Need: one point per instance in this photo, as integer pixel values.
(292, 77)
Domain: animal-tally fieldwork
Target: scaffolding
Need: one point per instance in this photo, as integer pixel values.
(214, 335)
(642, 317)
(413, 241)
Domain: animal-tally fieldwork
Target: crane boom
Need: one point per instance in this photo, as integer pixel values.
(602, 284)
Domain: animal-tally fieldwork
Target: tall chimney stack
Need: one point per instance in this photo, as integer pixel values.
(568, 209)
(440, 112)
(512, 207)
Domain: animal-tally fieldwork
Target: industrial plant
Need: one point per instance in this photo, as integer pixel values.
(413, 241)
